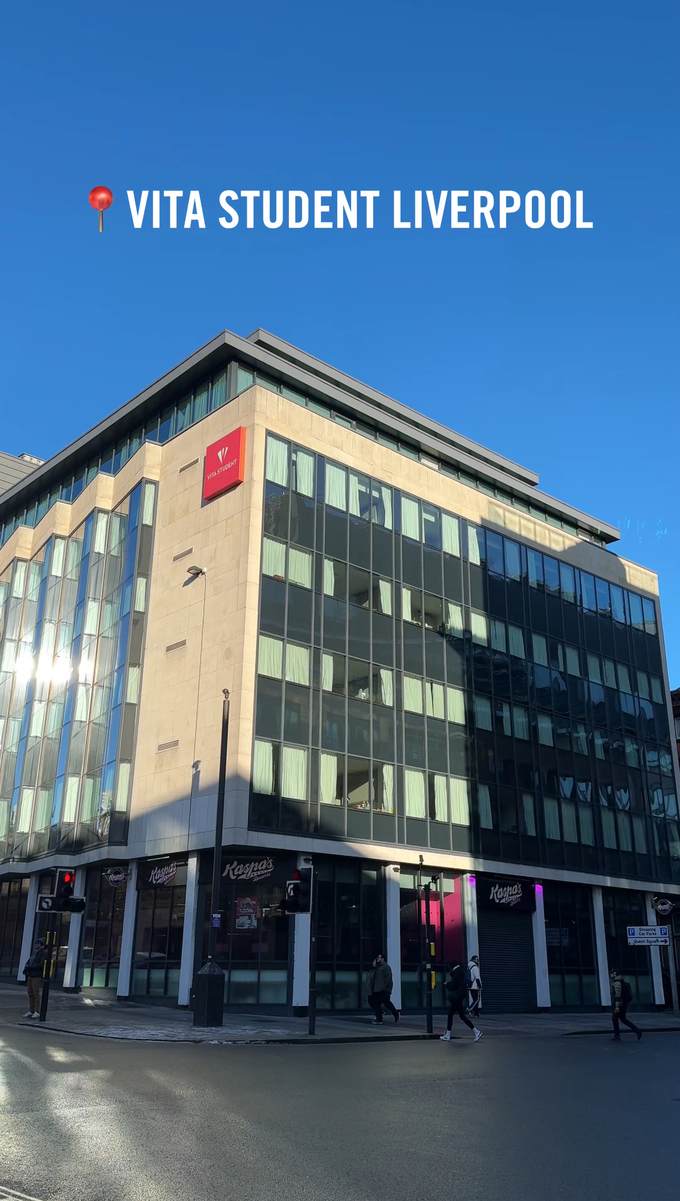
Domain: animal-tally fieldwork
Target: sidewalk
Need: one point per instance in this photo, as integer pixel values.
(102, 1018)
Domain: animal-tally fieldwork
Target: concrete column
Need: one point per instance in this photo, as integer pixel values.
(468, 889)
(302, 937)
(127, 942)
(393, 923)
(186, 968)
(29, 925)
(302, 941)
(541, 952)
(655, 953)
(601, 948)
(74, 932)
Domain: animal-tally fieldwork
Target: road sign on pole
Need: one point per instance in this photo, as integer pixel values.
(648, 936)
(45, 903)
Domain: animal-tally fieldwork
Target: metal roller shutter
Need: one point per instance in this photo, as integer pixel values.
(506, 954)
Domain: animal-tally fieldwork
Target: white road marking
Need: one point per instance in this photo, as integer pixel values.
(11, 1195)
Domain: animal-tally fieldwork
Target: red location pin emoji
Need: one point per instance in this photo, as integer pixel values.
(100, 199)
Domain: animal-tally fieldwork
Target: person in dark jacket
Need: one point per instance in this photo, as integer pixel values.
(620, 999)
(457, 992)
(379, 986)
(33, 970)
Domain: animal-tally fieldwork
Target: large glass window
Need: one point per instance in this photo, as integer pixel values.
(102, 929)
(252, 944)
(351, 932)
(444, 926)
(571, 945)
(13, 897)
(158, 938)
(623, 909)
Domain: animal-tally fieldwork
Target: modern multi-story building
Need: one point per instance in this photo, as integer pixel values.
(429, 660)
(14, 468)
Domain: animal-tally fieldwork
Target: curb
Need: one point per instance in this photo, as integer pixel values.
(316, 1039)
(648, 1030)
(238, 1042)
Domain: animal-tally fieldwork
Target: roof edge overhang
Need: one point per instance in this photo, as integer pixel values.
(330, 375)
(283, 361)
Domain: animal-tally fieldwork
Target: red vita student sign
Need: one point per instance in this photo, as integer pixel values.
(224, 464)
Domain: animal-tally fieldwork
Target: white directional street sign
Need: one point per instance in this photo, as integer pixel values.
(45, 903)
(648, 936)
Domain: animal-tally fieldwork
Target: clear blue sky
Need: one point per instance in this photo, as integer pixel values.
(558, 349)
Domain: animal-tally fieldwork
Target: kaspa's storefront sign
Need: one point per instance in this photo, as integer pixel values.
(506, 894)
(246, 872)
(116, 876)
(249, 871)
(162, 873)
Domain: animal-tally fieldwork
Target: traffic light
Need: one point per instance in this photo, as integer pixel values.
(299, 892)
(64, 900)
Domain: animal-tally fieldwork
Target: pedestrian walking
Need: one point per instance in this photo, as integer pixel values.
(457, 993)
(33, 970)
(379, 986)
(622, 995)
(474, 983)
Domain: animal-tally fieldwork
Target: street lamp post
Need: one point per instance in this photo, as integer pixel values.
(209, 982)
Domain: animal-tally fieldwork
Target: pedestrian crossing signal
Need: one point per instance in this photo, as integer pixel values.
(64, 900)
(298, 897)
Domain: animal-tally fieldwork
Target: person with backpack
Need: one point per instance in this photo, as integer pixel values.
(457, 993)
(379, 986)
(622, 995)
(473, 980)
(33, 970)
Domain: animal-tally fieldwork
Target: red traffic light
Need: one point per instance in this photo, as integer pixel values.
(64, 900)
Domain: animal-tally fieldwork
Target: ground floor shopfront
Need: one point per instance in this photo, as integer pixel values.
(144, 933)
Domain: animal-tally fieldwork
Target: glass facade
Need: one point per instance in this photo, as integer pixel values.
(71, 637)
(570, 939)
(350, 932)
(102, 931)
(428, 682)
(13, 897)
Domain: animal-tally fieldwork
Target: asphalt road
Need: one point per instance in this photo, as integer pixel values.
(536, 1119)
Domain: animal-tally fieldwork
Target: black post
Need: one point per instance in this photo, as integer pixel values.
(47, 966)
(313, 929)
(209, 982)
(428, 959)
(219, 825)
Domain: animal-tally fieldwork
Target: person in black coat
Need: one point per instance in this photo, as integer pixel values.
(379, 986)
(457, 992)
(33, 970)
